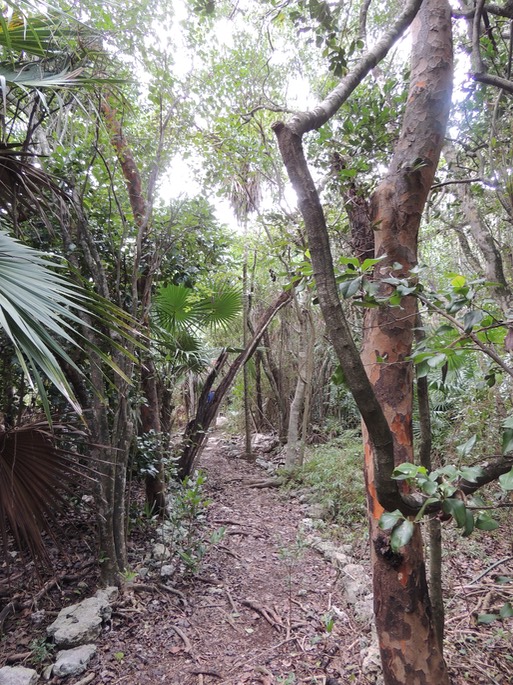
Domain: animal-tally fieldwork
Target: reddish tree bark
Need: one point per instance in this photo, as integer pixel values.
(409, 647)
(408, 643)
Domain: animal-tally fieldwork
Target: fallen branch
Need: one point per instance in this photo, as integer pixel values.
(205, 671)
(269, 614)
(185, 639)
(267, 483)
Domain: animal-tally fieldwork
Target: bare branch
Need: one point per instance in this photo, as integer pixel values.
(477, 61)
(458, 181)
(497, 81)
(493, 468)
(364, 9)
(314, 119)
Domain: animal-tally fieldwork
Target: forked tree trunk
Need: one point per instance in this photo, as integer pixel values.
(409, 647)
(407, 634)
(196, 430)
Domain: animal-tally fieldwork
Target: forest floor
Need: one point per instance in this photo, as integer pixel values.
(262, 608)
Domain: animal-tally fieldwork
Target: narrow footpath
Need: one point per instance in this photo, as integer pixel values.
(265, 608)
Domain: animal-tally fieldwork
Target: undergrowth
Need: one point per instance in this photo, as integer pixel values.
(332, 474)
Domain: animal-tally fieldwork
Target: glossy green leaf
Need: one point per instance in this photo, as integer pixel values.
(471, 473)
(465, 449)
(405, 471)
(457, 509)
(389, 519)
(485, 522)
(471, 319)
(401, 535)
(468, 527)
(506, 480)
(507, 441)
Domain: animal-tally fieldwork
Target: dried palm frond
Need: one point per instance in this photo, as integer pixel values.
(35, 475)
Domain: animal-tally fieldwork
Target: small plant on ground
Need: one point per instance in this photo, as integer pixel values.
(333, 475)
(187, 520)
(41, 650)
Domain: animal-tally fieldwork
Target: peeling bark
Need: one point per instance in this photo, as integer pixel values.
(409, 647)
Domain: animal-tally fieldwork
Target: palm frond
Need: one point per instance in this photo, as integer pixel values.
(179, 308)
(175, 309)
(35, 36)
(221, 307)
(34, 477)
(39, 313)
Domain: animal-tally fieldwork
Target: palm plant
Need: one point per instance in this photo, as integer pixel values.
(40, 310)
(182, 315)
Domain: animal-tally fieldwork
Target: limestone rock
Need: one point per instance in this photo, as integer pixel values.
(371, 663)
(80, 623)
(73, 661)
(263, 442)
(167, 571)
(355, 582)
(110, 594)
(18, 675)
(160, 552)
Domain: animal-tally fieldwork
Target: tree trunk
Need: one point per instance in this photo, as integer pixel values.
(197, 429)
(408, 644)
(150, 421)
(245, 372)
(275, 378)
(407, 634)
(145, 261)
(295, 435)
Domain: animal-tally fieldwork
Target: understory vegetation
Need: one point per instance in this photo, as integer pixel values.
(281, 220)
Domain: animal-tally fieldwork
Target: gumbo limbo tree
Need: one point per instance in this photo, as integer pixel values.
(381, 377)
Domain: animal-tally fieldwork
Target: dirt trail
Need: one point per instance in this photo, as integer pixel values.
(261, 610)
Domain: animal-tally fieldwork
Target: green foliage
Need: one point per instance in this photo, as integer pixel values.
(153, 449)
(186, 524)
(40, 650)
(333, 474)
(443, 487)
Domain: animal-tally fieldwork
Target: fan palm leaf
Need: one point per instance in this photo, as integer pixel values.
(179, 308)
(38, 308)
(34, 477)
(181, 314)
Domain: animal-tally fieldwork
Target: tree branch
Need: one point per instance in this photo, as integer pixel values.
(497, 81)
(314, 119)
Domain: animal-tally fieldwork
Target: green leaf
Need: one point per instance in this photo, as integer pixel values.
(458, 281)
(471, 473)
(506, 480)
(405, 471)
(467, 447)
(457, 509)
(338, 377)
(350, 288)
(508, 423)
(468, 527)
(506, 610)
(507, 441)
(368, 264)
(429, 487)
(437, 360)
(471, 319)
(401, 535)
(485, 522)
(389, 519)
(487, 618)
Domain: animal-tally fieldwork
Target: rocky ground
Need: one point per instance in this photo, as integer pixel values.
(272, 601)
